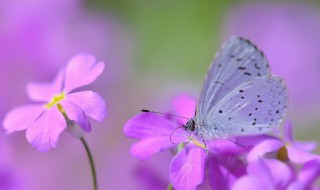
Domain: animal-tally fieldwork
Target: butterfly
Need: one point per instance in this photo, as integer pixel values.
(240, 96)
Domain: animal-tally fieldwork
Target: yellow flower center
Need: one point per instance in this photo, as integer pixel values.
(282, 154)
(55, 100)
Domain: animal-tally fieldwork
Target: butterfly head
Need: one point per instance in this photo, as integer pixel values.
(190, 125)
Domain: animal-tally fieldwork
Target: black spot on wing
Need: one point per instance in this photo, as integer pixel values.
(257, 66)
(218, 82)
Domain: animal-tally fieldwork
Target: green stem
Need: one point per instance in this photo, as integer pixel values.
(93, 170)
(170, 187)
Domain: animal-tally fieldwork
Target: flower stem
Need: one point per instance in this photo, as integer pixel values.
(93, 170)
(170, 187)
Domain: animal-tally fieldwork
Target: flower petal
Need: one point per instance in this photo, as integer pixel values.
(237, 145)
(282, 175)
(253, 140)
(75, 113)
(264, 170)
(147, 125)
(262, 148)
(187, 168)
(90, 103)
(43, 92)
(305, 145)
(299, 156)
(184, 105)
(224, 147)
(22, 117)
(81, 70)
(145, 148)
(309, 173)
(248, 182)
(44, 132)
(220, 177)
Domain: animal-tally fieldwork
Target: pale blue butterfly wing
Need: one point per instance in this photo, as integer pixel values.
(254, 107)
(237, 62)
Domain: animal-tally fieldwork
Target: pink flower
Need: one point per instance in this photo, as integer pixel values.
(265, 174)
(44, 121)
(42, 34)
(307, 176)
(274, 174)
(154, 133)
(297, 152)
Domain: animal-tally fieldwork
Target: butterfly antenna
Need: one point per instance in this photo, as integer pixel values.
(168, 114)
(172, 134)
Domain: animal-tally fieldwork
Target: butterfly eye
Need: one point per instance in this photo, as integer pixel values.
(192, 125)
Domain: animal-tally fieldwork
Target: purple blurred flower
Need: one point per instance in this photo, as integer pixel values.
(154, 132)
(288, 33)
(274, 174)
(261, 174)
(37, 36)
(307, 176)
(44, 121)
(286, 149)
(187, 169)
(149, 178)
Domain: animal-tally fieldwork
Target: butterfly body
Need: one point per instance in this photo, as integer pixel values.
(239, 96)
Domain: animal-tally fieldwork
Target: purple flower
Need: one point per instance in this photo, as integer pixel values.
(44, 120)
(286, 149)
(225, 167)
(187, 169)
(274, 174)
(154, 133)
(306, 177)
(261, 174)
(288, 33)
(155, 130)
(37, 36)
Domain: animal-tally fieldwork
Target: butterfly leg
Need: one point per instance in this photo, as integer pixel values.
(190, 139)
(205, 145)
